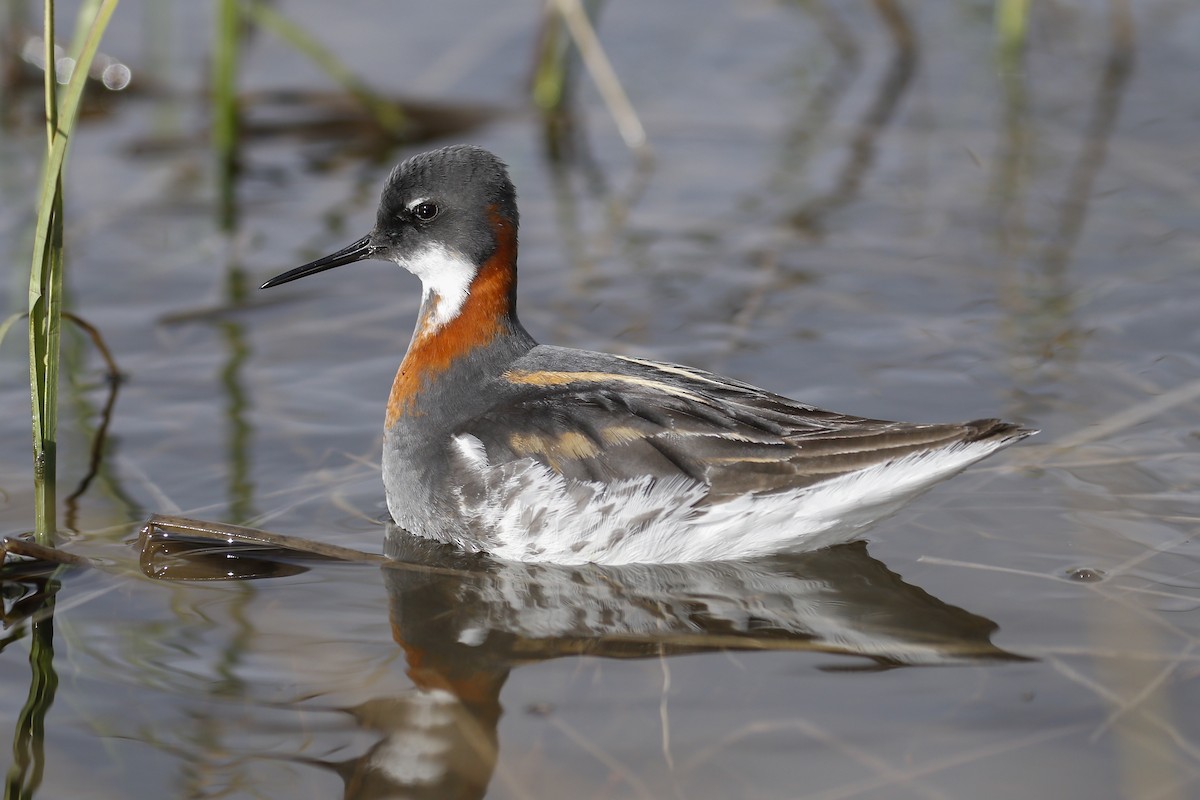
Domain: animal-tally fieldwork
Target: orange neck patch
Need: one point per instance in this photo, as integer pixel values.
(481, 319)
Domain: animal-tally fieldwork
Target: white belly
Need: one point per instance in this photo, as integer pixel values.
(528, 512)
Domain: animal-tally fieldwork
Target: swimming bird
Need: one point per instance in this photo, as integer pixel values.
(530, 452)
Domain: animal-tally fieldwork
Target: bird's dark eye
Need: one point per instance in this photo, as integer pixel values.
(425, 211)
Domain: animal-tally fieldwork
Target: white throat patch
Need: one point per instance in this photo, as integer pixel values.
(446, 279)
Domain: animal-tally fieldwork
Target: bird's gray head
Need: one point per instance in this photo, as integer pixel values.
(442, 215)
(451, 198)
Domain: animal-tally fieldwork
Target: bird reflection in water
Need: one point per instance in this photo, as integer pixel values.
(464, 622)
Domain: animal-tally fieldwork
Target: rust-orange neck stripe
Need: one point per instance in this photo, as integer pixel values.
(485, 314)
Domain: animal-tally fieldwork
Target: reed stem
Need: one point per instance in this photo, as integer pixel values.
(46, 272)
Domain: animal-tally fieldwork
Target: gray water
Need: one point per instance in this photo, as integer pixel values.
(863, 211)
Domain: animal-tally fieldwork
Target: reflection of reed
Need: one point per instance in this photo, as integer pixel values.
(1152, 752)
(100, 435)
(565, 160)
(207, 737)
(1011, 165)
(1118, 67)
(809, 121)
(569, 154)
(863, 143)
(226, 147)
(818, 112)
(95, 461)
(1142, 707)
(1045, 323)
(239, 432)
(29, 756)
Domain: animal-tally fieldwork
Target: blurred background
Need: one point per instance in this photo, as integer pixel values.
(912, 211)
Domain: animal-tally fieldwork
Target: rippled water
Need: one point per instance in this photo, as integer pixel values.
(859, 207)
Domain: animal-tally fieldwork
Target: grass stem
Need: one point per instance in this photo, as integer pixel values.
(46, 272)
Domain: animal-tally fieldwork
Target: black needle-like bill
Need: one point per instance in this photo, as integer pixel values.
(358, 251)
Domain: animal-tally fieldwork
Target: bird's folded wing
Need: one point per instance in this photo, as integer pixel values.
(730, 437)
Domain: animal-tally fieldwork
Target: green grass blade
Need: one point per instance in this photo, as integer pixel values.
(67, 113)
(50, 76)
(84, 17)
(46, 272)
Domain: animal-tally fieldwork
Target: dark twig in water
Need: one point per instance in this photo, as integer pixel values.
(160, 525)
(31, 549)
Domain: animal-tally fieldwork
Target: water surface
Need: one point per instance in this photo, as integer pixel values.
(859, 207)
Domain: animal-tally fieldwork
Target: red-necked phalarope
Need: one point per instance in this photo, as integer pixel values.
(530, 452)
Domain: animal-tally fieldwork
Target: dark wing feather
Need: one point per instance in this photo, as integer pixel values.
(732, 437)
